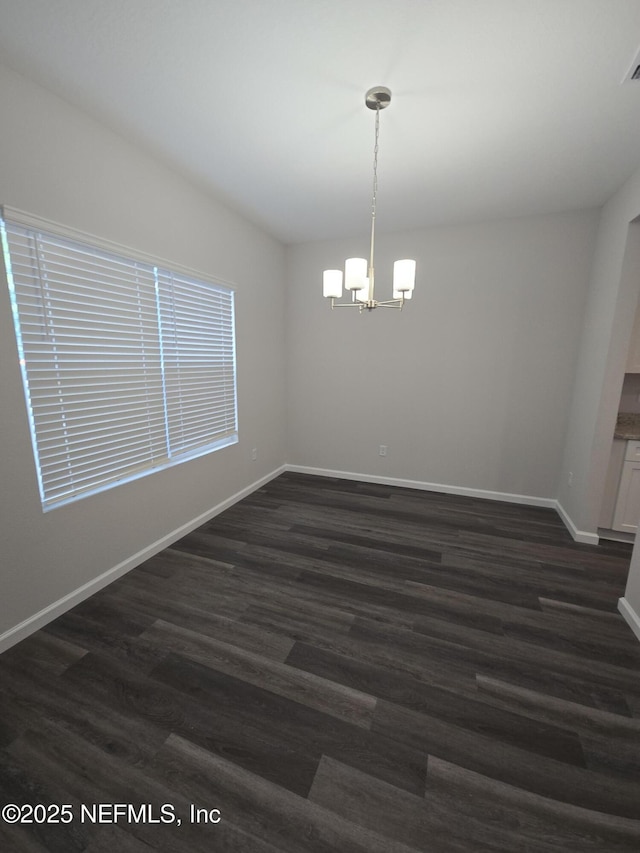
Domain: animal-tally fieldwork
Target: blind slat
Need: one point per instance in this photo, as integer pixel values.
(126, 367)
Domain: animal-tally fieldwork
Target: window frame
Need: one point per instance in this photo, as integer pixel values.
(192, 350)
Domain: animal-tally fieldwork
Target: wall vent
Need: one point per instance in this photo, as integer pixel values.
(633, 74)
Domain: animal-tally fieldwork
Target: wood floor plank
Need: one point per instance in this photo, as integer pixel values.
(563, 782)
(619, 757)
(45, 651)
(422, 822)
(287, 727)
(329, 697)
(479, 645)
(580, 717)
(113, 838)
(368, 647)
(340, 667)
(452, 706)
(13, 837)
(535, 578)
(299, 619)
(115, 730)
(585, 690)
(578, 610)
(372, 544)
(221, 630)
(20, 786)
(536, 819)
(452, 580)
(83, 774)
(294, 824)
(190, 610)
(368, 802)
(254, 587)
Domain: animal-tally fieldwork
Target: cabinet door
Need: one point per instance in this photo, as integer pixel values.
(627, 513)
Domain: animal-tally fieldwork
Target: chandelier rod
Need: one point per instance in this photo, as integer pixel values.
(374, 198)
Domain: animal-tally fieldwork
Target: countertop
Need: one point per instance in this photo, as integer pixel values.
(628, 426)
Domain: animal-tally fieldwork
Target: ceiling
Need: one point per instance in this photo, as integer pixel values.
(499, 108)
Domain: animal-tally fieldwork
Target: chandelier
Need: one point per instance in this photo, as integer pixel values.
(358, 276)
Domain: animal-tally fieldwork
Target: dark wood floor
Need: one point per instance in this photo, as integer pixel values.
(338, 666)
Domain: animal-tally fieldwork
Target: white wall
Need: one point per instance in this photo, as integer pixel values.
(469, 385)
(58, 163)
(611, 304)
(612, 299)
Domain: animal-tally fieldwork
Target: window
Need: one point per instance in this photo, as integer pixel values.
(127, 367)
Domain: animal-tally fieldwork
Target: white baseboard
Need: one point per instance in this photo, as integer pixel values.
(616, 535)
(630, 616)
(579, 535)
(509, 497)
(52, 611)
(427, 487)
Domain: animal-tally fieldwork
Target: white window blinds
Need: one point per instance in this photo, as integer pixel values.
(127, 367)
(198, 360)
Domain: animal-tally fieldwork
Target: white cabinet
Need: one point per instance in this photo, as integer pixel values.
(632, 452)
(626, 516)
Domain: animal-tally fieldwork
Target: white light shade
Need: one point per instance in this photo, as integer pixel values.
(332, 283)
(398, 294)
(355, 274)
(404, 276)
